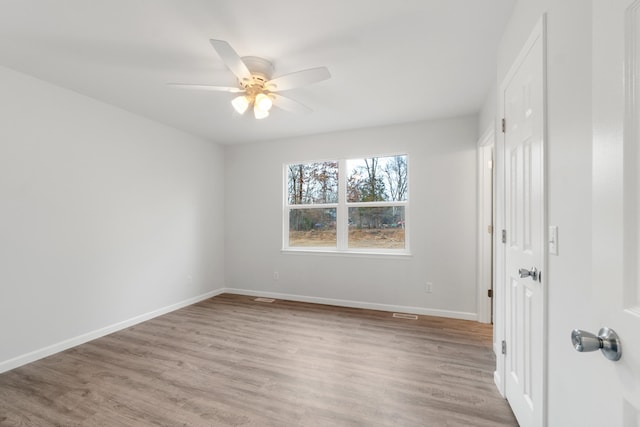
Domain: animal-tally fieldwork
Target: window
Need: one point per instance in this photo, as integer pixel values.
(312, 201)
(354, 205)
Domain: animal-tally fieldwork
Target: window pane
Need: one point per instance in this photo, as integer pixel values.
(312, 183)
(376, 227)
(377, 179)
(312, 227)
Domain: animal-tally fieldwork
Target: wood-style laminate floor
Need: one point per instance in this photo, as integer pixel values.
(232, 361)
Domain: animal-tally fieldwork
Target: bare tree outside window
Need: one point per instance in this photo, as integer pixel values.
(313, 183)
(395, 172)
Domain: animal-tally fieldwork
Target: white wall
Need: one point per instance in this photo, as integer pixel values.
(442, 156)
(487, 115)
(569, 141)
(105, 217)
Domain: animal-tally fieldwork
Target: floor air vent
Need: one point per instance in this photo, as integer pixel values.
(405, 316)
(264, 299)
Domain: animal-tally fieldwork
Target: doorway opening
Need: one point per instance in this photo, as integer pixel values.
(486, 180)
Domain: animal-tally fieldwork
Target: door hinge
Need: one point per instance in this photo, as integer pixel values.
(504, 236)
(504, 347)
(490, 293)
(490, 229)
(504, 126)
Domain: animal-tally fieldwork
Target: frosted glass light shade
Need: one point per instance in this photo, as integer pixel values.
(241, 103)
(259, 113)
(263, 102)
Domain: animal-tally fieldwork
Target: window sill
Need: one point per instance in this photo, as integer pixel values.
(349, 253)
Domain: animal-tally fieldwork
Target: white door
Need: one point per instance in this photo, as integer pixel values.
(523, 92)
(616, 211)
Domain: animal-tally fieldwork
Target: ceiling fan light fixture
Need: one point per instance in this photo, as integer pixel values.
(263, 102)
(240, 104)
(257, 87)
(259, 114)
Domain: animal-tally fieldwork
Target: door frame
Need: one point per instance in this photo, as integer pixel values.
(486, 191)
(538, 32)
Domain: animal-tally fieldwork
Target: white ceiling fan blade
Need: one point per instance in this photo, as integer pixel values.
(289, 104)
(231, 59)
(206, 87)
(297, 79)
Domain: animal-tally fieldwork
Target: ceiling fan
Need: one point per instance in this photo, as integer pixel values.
(257, 88)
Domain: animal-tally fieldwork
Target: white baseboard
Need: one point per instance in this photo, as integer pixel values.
(357, 304)
(7, 365)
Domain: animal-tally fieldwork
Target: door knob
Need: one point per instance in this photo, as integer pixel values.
(533, 273)
(607, 341)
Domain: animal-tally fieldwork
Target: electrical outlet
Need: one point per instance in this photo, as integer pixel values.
(428, 288)
(276, 275)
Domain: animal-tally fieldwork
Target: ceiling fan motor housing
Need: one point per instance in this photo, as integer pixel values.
(261, 71)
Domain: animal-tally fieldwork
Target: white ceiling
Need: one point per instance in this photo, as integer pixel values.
(391, 61)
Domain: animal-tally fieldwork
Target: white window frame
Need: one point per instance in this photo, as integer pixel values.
(342, 212)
